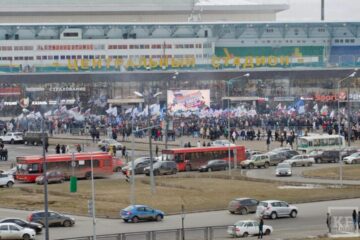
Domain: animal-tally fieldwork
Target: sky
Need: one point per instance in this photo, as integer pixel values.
(310, 10)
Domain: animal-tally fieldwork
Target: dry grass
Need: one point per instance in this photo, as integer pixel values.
(349, 173)
(196, 193)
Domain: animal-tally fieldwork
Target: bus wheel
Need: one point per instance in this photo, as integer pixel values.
(88, 175)
(188, 168)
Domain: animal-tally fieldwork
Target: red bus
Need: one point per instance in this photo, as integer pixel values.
(188, 159)
(29, 167)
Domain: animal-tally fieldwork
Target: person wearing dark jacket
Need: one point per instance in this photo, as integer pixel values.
(57, 149)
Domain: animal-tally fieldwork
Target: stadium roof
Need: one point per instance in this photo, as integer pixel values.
(69, 6)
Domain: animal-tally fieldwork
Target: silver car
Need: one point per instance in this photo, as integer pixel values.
(274, 209)
(283, 169)
(300, 160)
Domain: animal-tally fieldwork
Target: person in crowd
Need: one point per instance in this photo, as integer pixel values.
(63, 149)
(354, 218)
(78, 148)
(57, 149)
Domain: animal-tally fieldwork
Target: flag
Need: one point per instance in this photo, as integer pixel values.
(129, 110)
(155, 109)
(324, 110)
(38, 115)
(332, 114)
(300, 106)
(63, 109)
(87, 112)
(74, 109)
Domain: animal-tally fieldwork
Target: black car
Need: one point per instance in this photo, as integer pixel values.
(214, 165)
(37, 227)
(139, 163)
(54, 218)
(334, 155)
(162, 168)
(243, 206)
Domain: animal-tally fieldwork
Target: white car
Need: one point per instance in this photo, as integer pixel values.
(222, 143)
(6, 180)
(300, 160)
(110, 142)
(14, 231)
(352, 159)
(12, 137)
(244, 228)
(274, 209)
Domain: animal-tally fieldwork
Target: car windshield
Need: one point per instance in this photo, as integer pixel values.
(18, 134)
(254, 157)
(157, 164)
(129, 208)
(263, 204)
(239, 223)
(283, 165)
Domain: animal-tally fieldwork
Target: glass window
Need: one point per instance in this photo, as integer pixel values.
(4, 228)
(13, 228)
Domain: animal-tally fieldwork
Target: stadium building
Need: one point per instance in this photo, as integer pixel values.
(92, 64)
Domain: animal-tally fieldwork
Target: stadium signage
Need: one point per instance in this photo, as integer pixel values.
(329, 98)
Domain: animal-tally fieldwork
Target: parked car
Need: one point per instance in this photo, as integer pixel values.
(162, 168)
(329, 156)
(250, 153)
(12, 137)
(276, 157)
(316, 154)
(35, 138)
(245, 228)
(14, 231)
(275, 208)
(222, 143)
(140, 164)
(136, 213)
(300, 160)
(11, 171)
(52, 177)
(6, 180)
(260, 160)
(352, 159)
(243, 206)
(107, 142)
(283, 169)
(37, 227)
(214, 165)
(54, 218)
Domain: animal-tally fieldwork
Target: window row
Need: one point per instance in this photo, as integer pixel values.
(71, 47)
(344, 40)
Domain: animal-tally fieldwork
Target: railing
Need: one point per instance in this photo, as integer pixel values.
(199, 233)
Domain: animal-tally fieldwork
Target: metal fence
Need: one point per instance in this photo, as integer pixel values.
(200, 233)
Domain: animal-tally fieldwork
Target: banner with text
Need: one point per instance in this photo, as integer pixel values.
(188, 100)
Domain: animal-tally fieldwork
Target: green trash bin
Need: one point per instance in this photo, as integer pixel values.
(73, 184)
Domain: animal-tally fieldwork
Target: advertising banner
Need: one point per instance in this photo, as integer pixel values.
(188, 100)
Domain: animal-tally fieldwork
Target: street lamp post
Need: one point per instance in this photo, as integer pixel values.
(132, 195)
(176, 73)
(339, 125)
(149, 97)
(46, 206)
(182, 222)
(229, 100)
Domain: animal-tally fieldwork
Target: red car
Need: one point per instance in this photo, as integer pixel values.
(52, 177)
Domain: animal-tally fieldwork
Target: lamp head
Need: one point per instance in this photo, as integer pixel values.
(138, 94)
(353, 74)
(247, 75)
(157, 94)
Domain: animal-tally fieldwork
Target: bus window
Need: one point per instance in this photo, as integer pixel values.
(332, 142)
(316, 142)
(33, 168)
(179, 158)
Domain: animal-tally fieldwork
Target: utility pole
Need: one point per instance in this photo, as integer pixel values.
(322, 10)
(46, 207)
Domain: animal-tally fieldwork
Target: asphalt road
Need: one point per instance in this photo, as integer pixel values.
(269, 173)
(310, 222)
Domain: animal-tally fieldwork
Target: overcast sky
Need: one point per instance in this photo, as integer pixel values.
(309, 10)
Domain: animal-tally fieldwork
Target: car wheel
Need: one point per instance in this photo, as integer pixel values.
(12, 141)
(266, 165)
(293, 214)
(267, 232)
(187, 168)
(118, 169)
(251, 166)
(232, 212)
(209, 170)
(293, 165)
(309, 164)
(26, 142)
(67, 223)
(273, 215)
(26, 237)
(243, 211)
(135, 219)
(35, 143)
(245, 234)
(9, 184)
(158, 218)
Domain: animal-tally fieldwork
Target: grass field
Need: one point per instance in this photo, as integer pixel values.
(351, 172)
(207, 192)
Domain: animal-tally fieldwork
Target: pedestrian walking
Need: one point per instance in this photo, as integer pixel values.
(57, 149)
(157, 150)
(78, 148)
(268, 143)
(354, 218)
(63, 149)
(198, 144)
(328, 222)
(123, 151)
(358, 220)
(261, 228)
